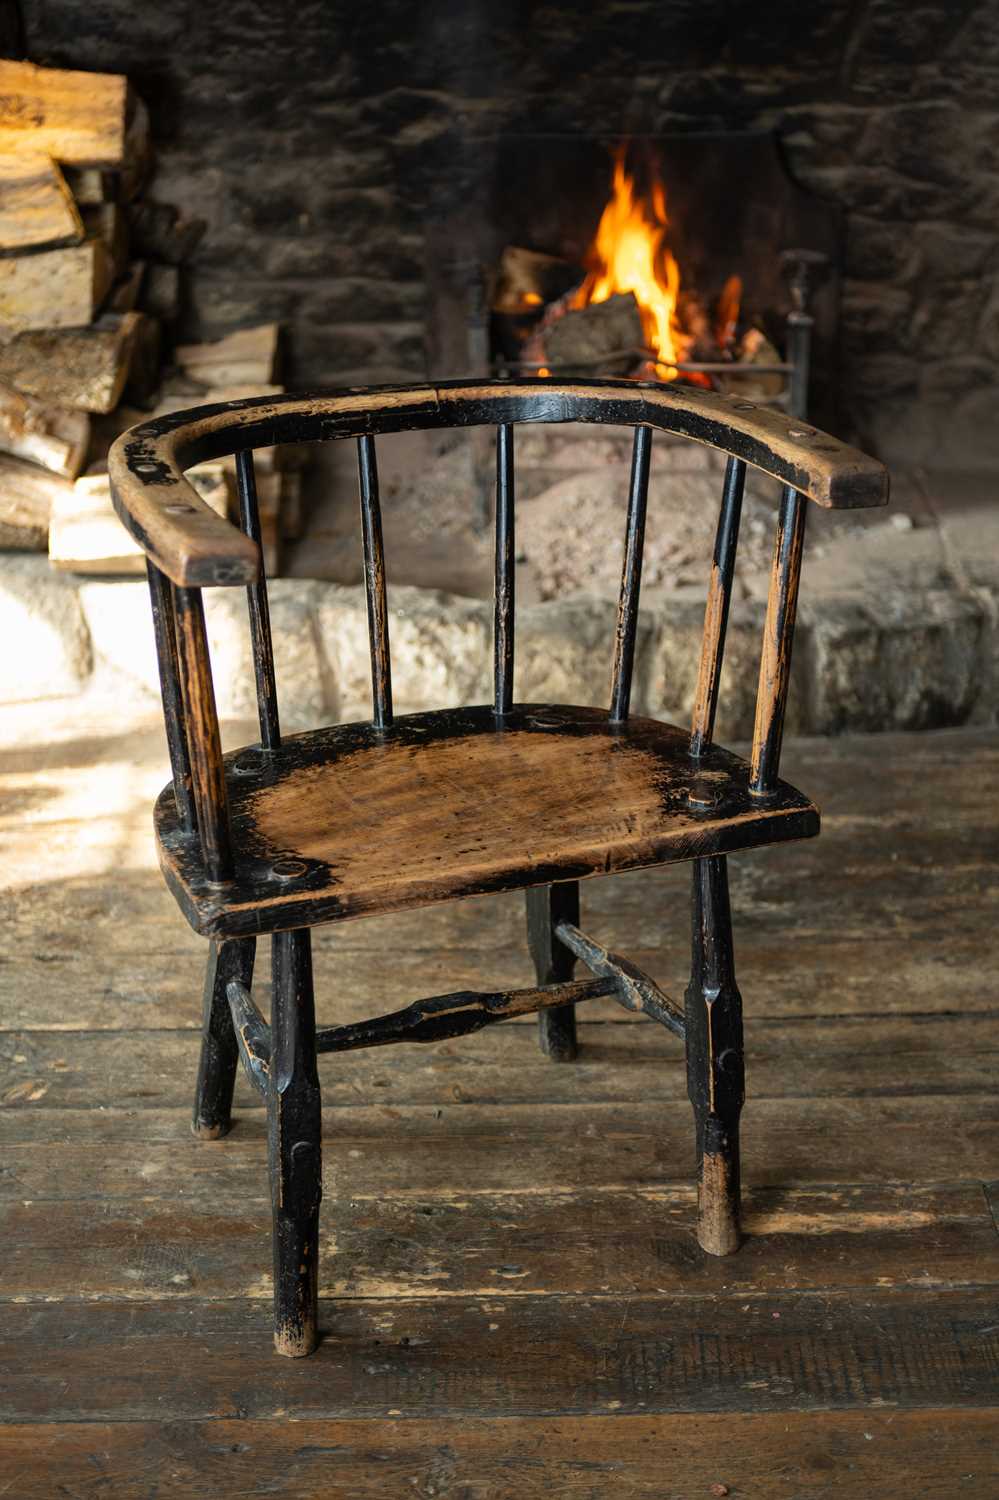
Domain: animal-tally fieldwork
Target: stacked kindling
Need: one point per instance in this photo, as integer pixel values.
(90, 290)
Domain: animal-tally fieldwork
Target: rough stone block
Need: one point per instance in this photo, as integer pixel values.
(47, 649)
(894, 661)
(565, 651)
(676, 661)
(120, 623)
(441, 649)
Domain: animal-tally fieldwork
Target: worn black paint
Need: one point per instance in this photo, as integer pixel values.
(232, 886)
(294, 1140)
(782, 606)
(442, 1017)
(228, 961)
(633, 989)
(203, 743)
(505, 588)
(547, 905)
(311, 897)
(715, 1061)
(374, 583)
(259, 608)
(631, 577)
(723, 573)
(164, 631)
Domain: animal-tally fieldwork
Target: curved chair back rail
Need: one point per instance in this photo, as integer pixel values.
(195, 547)
(189, 547)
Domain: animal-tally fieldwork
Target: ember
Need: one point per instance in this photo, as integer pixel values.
(626, 308)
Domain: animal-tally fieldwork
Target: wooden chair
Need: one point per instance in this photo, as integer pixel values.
(373, 817)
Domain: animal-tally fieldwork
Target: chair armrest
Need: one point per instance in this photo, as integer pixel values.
(195, 547)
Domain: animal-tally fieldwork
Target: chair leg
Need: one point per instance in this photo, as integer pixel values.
(715, 1070)
(294, 1139)
(548, 905)
(227, 960)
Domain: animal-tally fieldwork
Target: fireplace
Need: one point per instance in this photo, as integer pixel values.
(690, 257)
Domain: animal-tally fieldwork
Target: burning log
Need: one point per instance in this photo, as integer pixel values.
(606, 335)
(527, 280)
(754, 349)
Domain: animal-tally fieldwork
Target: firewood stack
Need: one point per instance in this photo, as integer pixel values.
(90, 284)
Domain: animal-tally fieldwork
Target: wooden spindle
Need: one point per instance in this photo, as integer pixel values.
(374, 584)
(505, 592)
(778, 638)
(260, 616)
(717, 607)
(164, 631)
(631, 577)
(204, 745)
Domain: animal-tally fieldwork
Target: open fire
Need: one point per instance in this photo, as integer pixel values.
(626, 308)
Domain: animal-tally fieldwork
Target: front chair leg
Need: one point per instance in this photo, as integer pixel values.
(294, 1139)
(227, 960)
(547, 905)
(715, 1070)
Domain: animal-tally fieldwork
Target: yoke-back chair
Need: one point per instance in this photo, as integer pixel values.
(373, 817)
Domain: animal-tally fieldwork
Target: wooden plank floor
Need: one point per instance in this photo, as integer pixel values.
(514, 1301)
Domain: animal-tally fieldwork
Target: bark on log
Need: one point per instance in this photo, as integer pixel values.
(588, 339)
(85, 368)
(27, 494)
(47, 435)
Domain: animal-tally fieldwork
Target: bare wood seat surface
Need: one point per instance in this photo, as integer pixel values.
(349, 820)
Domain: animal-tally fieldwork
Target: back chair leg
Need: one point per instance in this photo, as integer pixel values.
(227, 960)
(547, 905)
(715, 1069)
(294, 1139)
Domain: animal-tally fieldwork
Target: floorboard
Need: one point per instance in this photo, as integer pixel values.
(514, 1301)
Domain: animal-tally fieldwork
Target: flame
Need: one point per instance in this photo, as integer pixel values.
(630, 254)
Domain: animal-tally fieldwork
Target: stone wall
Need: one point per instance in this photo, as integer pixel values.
(321, 139)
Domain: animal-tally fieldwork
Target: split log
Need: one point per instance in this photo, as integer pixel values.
(85, 368)
(604, 338)
(90, 185)
(144, 369)
(85, 535)
(78, 118)
(138, 161)
(159, 232)
(53, 288)
(127, 290)
(36, 207)
(47, 435)
(247, 357)
(161, 292)
(107, 222)
(27, 496)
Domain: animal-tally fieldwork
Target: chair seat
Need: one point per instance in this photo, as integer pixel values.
(348, 821)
